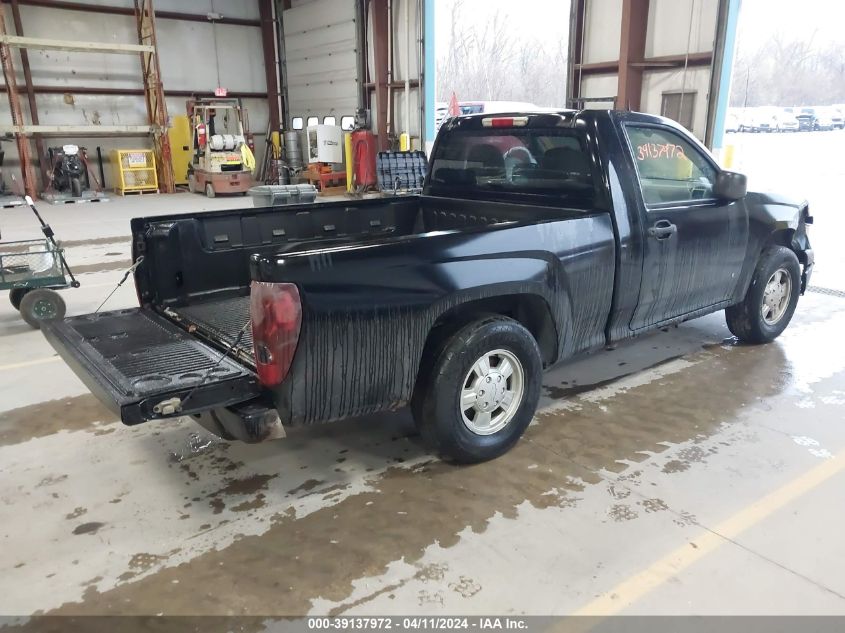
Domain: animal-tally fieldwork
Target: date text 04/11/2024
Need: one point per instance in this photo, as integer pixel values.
(418, 623)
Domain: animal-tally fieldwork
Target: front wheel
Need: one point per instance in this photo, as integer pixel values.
(481, 392)
(42, 304)
(771, 298)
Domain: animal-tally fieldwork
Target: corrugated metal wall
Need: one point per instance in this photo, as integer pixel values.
(193, 55)
(321, 54)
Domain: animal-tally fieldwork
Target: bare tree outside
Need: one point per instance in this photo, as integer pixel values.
(788, 56)
(485, 56)
(789, 71)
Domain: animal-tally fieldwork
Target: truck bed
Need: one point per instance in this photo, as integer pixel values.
(221, 320)
(196, 271)
(191, 260)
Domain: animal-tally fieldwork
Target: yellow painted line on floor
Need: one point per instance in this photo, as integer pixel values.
(30, 363)
(629, 591)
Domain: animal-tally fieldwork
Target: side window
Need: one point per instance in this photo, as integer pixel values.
(669, 167)
(313, 120)
(329, 120)
(296, 123)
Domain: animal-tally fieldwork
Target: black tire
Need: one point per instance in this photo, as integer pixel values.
(436, 404)
(745, 319)
(16, 295)
(209, 190)
(42, 304)
(76, 187)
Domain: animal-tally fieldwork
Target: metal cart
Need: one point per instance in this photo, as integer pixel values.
(32, 271)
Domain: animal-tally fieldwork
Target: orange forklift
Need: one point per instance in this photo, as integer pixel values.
(221, 157)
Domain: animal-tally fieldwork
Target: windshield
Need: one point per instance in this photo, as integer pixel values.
(518, 160)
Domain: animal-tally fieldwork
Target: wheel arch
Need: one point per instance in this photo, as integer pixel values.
(786, 238)
(530, 310)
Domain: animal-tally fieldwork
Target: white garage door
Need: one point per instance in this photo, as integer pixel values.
(321, 59)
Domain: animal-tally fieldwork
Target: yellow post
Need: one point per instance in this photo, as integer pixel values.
(404, 142)
(347, 150)
(728, 156)
(275, 139)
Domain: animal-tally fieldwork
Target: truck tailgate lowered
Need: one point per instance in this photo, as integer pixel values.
(136, 360)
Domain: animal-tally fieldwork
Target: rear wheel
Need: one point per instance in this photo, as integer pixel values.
(771, 299)
(42, 304)
(481, 391)
(16, 295)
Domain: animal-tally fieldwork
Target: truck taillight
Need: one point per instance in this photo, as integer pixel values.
(276, 313)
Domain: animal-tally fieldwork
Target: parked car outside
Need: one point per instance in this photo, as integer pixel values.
(492, 107)
(441, 112)
(807, 118)
(787, 122)
(835, 115)
(766, 119)
(824, 119)
(747, 120)
(840, 109)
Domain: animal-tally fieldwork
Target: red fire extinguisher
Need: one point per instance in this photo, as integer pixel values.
(364, 158)
(201, 136)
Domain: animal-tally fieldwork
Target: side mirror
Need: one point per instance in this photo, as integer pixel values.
(730, 185)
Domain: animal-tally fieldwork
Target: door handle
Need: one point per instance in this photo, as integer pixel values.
(662, 230)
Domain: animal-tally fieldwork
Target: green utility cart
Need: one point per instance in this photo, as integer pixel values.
(32, 271)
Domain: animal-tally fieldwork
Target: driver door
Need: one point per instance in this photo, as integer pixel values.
(694, 244)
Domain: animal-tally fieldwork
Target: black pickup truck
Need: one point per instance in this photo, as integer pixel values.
(538, 236)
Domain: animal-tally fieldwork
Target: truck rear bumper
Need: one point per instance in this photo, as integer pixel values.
(144, 367)
(252, 421)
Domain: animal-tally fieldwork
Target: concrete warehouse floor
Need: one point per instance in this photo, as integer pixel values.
(678, 474)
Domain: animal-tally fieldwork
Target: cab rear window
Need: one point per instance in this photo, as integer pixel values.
(518, 160)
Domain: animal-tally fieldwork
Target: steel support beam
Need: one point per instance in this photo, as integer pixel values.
(105, 90)
(361, 52)
(632, 53)
(380, 56)
(268, 47)
(397, 85)
(16, 41)
(40, 150)
(27, 173)
(281, 6)
(576, 51)
(85, 130)
(693, 60)
(720, 75)
(160, 15)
